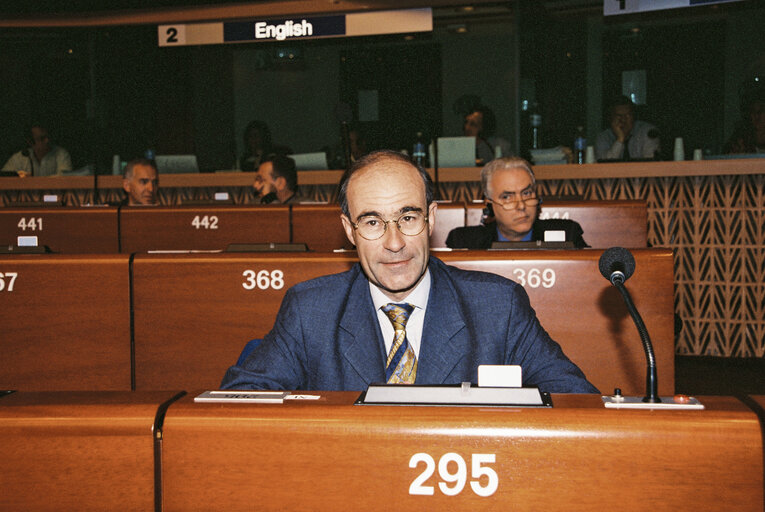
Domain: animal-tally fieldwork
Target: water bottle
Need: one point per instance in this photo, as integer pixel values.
(580, 146)
(419, 151)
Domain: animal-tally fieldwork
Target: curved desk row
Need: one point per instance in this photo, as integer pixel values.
(161, 450)
(209, 227)
(178, 321)
(709, 212)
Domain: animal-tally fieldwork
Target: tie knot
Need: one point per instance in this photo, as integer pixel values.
(398, 314)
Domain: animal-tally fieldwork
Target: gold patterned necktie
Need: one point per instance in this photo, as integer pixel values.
(401, 366)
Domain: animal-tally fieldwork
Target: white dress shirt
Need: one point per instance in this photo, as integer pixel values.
(418, 298)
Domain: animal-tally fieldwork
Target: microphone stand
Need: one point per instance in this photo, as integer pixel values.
(651, 378)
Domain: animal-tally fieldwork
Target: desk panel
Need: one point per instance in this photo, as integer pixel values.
(201, 227)
(64, 230)
(78, 451)
(194, 313)
(585, 314)
(605, 223)
(448, 217)
(65, 322)
(576, 456)
(318, 226)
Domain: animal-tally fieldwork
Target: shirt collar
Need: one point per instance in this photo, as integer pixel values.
(502, 238)
(417, 297)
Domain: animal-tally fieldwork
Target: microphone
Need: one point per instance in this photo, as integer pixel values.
(617, 265)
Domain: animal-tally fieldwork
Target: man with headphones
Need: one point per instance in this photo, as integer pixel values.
(510, 189)
(42, 158)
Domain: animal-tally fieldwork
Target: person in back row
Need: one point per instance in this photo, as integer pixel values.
(41, 158)
(481, 123)
(276, 181)
(510, 189)
(141, 182)
(627, 139)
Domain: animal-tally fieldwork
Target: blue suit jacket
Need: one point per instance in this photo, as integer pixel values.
(327, 337)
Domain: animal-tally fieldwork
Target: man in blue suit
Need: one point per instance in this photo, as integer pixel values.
(345, 331)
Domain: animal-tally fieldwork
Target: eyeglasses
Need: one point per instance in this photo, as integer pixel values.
(372, 227)
(507, 202)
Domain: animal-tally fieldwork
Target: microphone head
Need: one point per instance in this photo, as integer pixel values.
(617, 262)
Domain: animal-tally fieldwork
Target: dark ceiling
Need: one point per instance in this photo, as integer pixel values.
(42, 7)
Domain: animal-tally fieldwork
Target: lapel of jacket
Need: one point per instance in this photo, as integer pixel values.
(360, 339)
(441, 349)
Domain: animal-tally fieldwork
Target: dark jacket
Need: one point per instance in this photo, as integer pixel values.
(327, 336)
(481, 237)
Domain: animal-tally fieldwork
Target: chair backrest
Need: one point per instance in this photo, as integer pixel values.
(247, 350)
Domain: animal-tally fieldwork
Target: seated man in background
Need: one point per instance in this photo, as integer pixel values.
(141, 182)
(42, 158)
(510, 189)
(626, 139)
(276, 181)
(400, 315)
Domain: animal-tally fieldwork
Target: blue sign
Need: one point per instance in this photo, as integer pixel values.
(283, 29)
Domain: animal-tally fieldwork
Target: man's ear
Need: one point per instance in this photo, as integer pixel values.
(432, 217)
(126, 186)
(280, 182)
(348, 227)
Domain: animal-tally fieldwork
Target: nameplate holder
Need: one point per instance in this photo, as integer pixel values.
(679, 402)
(222, 196)
(464, 395)
(499, 376)
(555, 235)
(242, 397)
(26, 241)
(50, 198)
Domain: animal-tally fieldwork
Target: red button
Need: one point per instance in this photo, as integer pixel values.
(682, 399)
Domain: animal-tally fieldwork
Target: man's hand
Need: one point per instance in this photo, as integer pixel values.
(618, 128)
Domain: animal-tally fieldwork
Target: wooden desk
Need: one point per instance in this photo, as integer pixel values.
(448, 217)
(201, 227)
(585, 314)
(78, 451)
(605, 223)
(65, 230)
(65, 324)
(576, 456)
(193, 313)
(318, 226)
